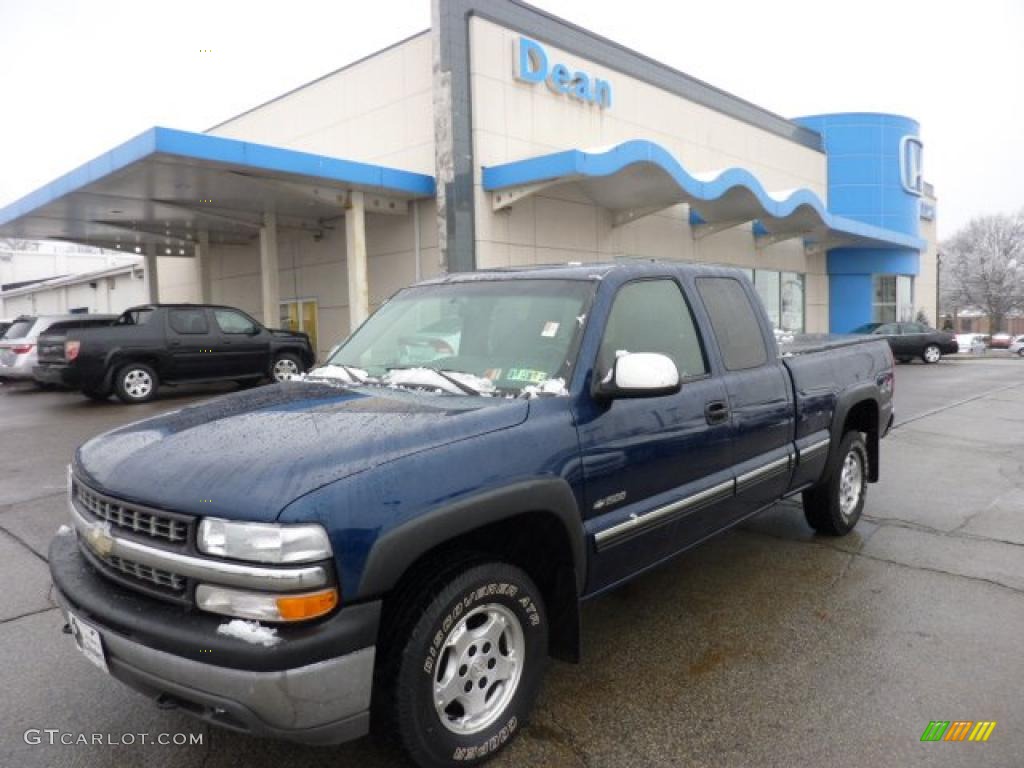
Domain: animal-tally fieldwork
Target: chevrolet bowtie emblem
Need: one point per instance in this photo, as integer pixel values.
(100, 540)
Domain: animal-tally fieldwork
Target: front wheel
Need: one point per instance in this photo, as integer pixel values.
(286, 366)
(471, 667)
(931, 354)
(136, 383)
(834, 506)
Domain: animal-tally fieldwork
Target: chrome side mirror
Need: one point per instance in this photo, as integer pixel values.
(639, 374)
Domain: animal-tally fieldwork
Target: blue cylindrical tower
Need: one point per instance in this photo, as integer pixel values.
(874, 176)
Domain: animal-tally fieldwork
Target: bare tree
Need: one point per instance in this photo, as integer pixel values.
(17, 244)
(983, 267)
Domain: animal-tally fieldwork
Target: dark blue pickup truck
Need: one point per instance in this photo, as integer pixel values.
(404, 537)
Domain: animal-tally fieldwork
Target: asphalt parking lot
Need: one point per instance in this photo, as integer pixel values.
(767, 646)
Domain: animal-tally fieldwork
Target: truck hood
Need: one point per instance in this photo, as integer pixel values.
(248, 455)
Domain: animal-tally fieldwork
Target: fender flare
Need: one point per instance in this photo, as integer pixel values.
(397, 549)
(847, 401)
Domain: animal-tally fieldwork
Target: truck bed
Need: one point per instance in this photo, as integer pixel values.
(808, 343)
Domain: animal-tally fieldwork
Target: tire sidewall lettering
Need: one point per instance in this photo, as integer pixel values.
(524, 604)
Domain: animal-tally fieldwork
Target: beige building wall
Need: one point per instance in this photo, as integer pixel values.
(514, 120)
(378, 110)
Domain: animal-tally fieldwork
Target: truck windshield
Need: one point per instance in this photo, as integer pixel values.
(513, 333)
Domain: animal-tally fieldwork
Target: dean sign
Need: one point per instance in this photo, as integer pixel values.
(532, 66)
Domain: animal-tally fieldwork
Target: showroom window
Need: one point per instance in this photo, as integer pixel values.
(893, 299)
(783, 296)
(301, 315)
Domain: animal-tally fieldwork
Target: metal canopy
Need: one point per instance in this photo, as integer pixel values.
(163, 187)
(636, 178)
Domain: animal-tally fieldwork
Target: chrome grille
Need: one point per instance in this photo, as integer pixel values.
(130, 517)
(161, 578)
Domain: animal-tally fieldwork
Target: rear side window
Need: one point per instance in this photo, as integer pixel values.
(653, 316)
(135, 317)
(188, 321)
(233, 322)
(734, 322)
(20, 328)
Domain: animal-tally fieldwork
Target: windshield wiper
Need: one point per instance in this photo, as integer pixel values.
(461, 386)
(351, 373)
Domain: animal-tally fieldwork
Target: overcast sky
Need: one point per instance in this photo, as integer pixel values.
(80, 76)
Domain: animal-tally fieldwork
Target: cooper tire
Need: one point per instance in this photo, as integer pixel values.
(136, 383)
(470, 667)
(931, 354)
(834, 506)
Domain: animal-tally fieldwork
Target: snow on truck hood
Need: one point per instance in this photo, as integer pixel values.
(248, 455)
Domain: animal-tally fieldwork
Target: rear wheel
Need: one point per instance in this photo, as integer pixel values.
(931, 354)
(834, 506)
(468, 664)
(136, 383)
(286, 366)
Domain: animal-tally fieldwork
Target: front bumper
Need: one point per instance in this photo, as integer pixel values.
(313, 686)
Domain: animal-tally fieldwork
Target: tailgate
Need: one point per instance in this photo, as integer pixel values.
(51, 349)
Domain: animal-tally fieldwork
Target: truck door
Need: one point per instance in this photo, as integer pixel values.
(245, 342)
(655, 469)
(192, 344)
(759, 393)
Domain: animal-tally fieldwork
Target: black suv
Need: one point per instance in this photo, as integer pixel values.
(170, 344)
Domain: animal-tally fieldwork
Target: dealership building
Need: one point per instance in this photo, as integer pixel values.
(504, 137)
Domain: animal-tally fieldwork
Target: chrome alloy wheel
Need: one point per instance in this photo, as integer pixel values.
(932, 354)
(285, 369)
(851, 484)
(481, 663)
(138, 384)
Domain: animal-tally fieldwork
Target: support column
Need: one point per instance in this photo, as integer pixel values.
(355, 257)
(204, 268)
(152, 278)
(269, 278)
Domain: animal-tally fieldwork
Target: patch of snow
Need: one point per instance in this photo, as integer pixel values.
(250, 632)
(336, 372)
(428, 378)
(783, 337)
(549, 388)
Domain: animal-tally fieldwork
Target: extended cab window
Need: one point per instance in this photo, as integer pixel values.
(734, 322)
(653, 316)
(188, 321)
(231, 321)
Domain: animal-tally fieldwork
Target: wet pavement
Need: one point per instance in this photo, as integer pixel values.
(767, 646)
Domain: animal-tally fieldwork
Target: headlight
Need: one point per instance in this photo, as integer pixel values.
(264, 607)
(263, 542)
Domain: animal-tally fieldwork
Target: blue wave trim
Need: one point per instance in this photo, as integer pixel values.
(576, 164)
